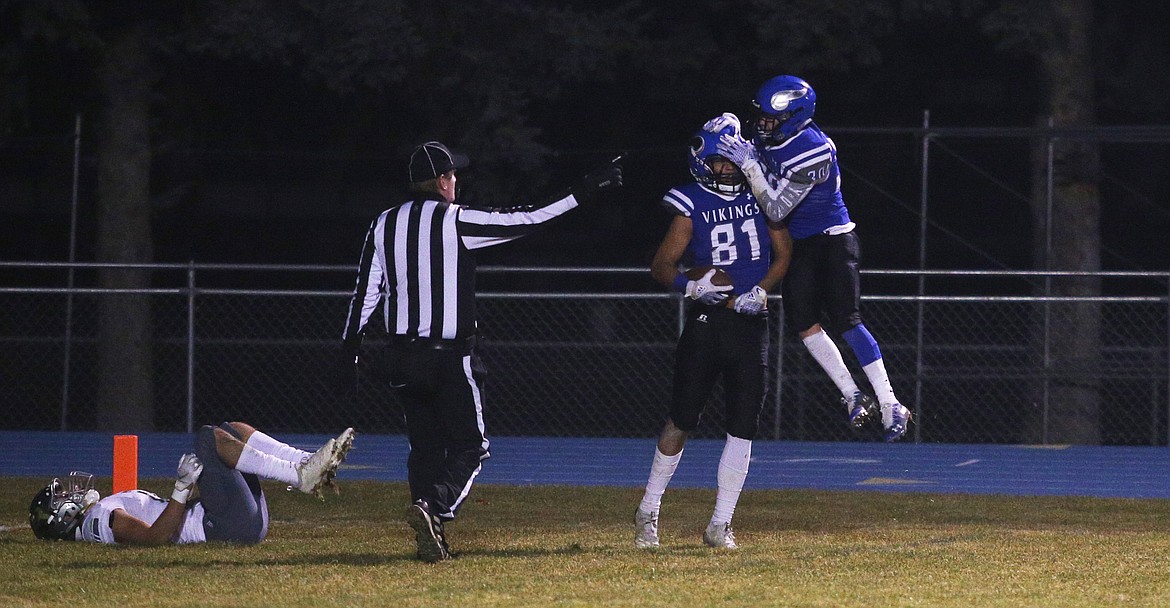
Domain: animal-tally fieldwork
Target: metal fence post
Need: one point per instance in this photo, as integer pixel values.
(70, 275)
(191, 346)
(778, 335)
(1046, 372)
(920, 340)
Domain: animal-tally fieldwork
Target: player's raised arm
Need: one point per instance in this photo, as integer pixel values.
(133, 531)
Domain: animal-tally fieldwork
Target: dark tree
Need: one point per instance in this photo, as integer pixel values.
(473, 73)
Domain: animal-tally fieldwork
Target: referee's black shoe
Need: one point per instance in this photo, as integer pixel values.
(428, 532)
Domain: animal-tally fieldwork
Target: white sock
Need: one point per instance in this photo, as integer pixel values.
(733, 470)
(876, 372)
(273, 447)
(661, 470)
(825, 351)
(267, 466)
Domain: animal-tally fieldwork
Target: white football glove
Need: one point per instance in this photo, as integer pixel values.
(735, 149)
(752, 302)
(704, 291)
(189, 470)
(717, 124)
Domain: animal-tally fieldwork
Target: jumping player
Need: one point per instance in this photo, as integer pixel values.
(792, 170)
(717, 223)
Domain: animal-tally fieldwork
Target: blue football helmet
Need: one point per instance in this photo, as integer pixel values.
(59, 507)
(703, 154)
(784, 105)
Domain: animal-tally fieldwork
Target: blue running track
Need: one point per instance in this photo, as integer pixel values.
(1120, 472)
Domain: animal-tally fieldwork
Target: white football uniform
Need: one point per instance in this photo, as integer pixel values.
(147, 506)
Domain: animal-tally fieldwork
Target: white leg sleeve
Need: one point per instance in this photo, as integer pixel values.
(825, 351)
(733, 470)
(876, 372)
(284, 451)
(267, 466)
(661, 470)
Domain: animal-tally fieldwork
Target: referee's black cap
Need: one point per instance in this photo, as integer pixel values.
(432, 159)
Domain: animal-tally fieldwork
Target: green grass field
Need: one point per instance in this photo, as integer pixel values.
(573, 546)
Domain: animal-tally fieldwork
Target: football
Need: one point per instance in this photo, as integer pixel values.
(720, 278)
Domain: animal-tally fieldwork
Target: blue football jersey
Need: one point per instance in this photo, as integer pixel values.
(812, 154)
(730, 232)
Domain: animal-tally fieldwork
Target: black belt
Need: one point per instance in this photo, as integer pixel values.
(727, 308)
(458, 344)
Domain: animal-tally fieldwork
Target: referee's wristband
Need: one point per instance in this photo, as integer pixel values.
(680, 282)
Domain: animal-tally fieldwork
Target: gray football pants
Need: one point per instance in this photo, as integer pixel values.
(233, 502)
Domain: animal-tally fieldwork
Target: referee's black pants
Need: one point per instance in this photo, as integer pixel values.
(440, 384)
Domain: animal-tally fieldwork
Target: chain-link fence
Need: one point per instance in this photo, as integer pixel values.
(973, 368)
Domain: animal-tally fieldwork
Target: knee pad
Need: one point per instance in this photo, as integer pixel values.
(863, 344)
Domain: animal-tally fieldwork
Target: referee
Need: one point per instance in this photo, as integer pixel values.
(419, 260)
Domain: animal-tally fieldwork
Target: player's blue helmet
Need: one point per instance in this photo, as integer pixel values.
(703, 152)
(784, 105)
(57, 510)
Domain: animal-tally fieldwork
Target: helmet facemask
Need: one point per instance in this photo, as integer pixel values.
(724, 175)
(57, 510)
(783, 105)
(767, 126)
(710, 168)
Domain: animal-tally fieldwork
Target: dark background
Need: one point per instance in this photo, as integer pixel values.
(278, 130)
(260, 159)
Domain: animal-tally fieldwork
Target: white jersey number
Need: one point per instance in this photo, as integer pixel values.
(723, 249)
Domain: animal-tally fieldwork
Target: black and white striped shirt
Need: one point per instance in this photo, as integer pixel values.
(420, 258)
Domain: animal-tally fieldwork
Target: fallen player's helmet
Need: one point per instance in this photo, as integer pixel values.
(59, 507)
(784, 105)
(703, 153)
